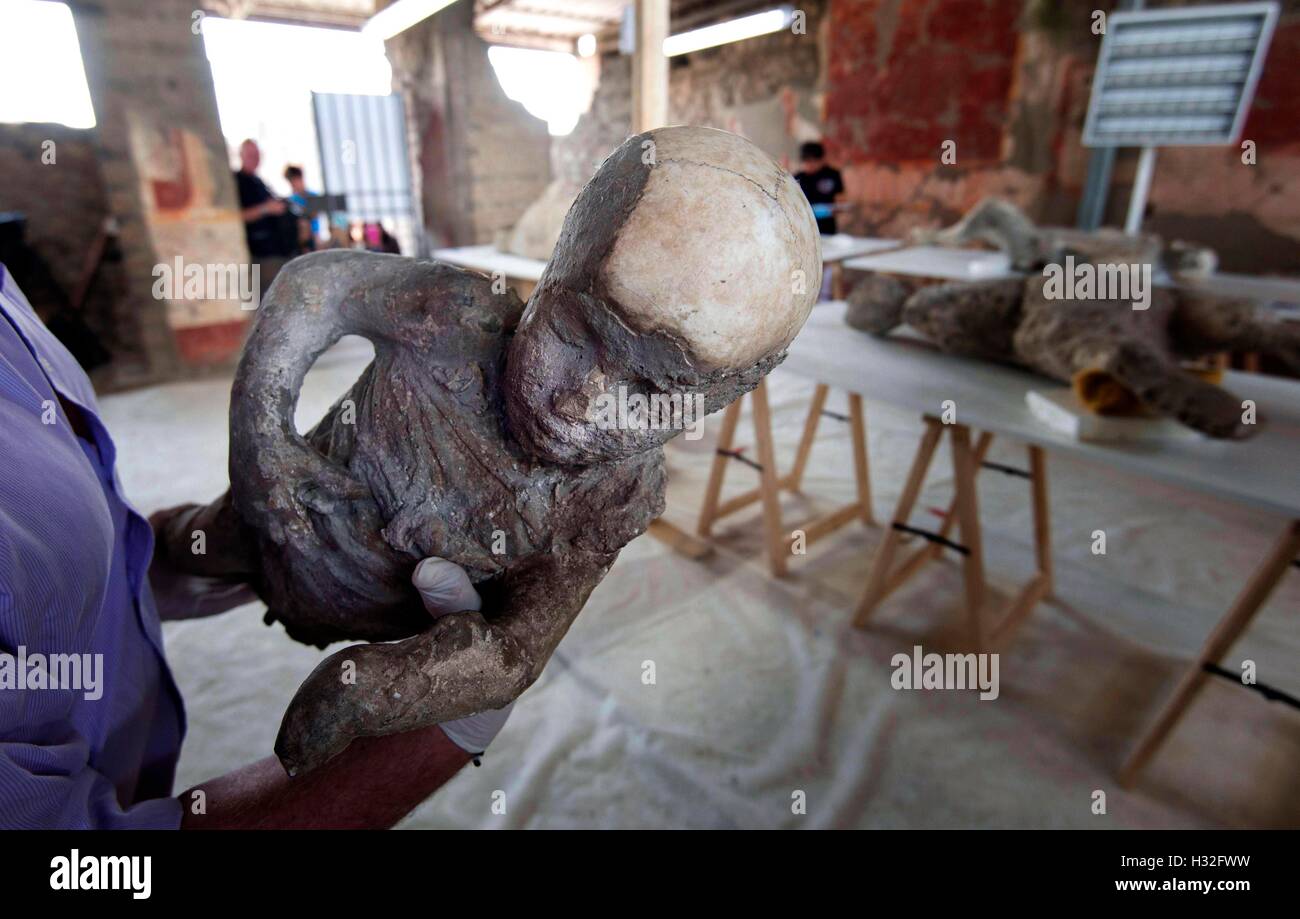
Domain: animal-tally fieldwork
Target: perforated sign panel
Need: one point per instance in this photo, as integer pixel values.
(1177, 76)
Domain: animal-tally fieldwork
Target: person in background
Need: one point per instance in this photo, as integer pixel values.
(378, 239)
(821, 184)
(309, 225)
(264, 217)
(293, 175)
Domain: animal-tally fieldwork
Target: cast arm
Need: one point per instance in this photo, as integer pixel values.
(464, 663)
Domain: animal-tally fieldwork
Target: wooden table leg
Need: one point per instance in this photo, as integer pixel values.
(861, 469)
(964, 471)
(809, 435)
(1239, 616)
(1042, 514)
(776, 542)
(678, 539)
(713, 491)
(1041, 585)
(884, 557)
(931, 550)
(773, 537)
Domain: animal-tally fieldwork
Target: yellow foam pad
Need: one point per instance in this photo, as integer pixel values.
(1102, 394)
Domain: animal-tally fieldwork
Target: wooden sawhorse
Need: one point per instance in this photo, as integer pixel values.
(963, 511)
(1225, 634)
(776, 542)
(677, 539)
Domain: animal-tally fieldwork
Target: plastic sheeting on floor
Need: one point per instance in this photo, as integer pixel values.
(762, 693)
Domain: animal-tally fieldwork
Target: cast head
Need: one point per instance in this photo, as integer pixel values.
(684, 269)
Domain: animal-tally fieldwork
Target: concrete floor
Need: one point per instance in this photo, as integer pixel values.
(763, 691)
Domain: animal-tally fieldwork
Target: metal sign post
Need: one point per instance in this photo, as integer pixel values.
(1137, 202)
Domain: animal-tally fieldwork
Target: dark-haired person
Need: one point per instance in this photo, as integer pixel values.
(821, 184)
(294, 176)
(308, 223)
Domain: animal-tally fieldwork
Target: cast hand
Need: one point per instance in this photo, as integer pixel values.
(181, 595)
(445, 588)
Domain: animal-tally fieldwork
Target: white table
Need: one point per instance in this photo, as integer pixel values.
(946, 264)
(526, 272)
(1261, 472)
(937, 262)
(522, 273)
(910, 373)
(837, 248)
(840, 246)
(1265, 290)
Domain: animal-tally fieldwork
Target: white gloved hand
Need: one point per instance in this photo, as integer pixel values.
(445, 588)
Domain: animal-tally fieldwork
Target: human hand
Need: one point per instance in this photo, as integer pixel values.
(273, 208)
(445, 588)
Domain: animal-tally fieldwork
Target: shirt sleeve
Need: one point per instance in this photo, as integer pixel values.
(97, 753)
(48, 777)
(47, 780)
(46, 783)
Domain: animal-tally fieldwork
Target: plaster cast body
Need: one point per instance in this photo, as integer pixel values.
(538, 228)
(473, 435)
(1114, 354)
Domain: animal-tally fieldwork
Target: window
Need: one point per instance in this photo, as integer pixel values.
(264, 75)
(553, 86)
(41, 74)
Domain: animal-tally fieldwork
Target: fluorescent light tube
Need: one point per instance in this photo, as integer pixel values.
(400, 16)
(725, 32)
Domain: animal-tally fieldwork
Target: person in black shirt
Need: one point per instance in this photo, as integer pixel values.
(259, 208)
(821, 184)
(269, 224)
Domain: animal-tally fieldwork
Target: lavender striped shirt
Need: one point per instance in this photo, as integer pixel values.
(74, 559)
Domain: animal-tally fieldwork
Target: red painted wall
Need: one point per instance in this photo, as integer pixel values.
(903, 76)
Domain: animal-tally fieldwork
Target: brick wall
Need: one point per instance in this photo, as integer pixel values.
(903, 79)
(62, 196)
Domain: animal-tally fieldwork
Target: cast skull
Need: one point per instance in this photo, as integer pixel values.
(687, 264)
